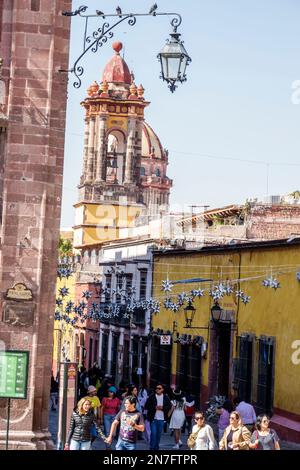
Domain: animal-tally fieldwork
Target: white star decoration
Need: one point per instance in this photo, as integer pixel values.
(166, 286)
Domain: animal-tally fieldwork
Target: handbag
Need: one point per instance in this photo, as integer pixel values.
(191, 442)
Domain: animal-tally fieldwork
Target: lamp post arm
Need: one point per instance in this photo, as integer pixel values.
(104, 32)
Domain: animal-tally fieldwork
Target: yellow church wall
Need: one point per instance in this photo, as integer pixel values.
(111, 215)
(93, 235)
(101, 222)
(269, 313)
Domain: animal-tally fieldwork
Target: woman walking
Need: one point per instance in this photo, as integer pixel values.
(109, 409)
(264, 438)
(205, 439)
(132, 392)
(236, 436)
(177, 416)
(82, 420)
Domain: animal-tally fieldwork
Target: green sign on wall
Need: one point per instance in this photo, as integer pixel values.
(13, 374)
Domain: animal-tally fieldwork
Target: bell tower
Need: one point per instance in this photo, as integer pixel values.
(116, 186)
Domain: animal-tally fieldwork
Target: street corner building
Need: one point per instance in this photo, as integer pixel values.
(34, 45)
(235, 329)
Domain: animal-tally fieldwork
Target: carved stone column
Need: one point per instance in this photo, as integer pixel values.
(130, 151)
(101, 149)
(85, 149)
(91, 150)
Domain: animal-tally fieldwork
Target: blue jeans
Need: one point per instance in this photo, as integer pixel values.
(107, 421)
(124, 445)
(156, 426)
(80, 445)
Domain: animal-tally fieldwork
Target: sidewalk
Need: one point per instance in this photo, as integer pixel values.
(167, 441)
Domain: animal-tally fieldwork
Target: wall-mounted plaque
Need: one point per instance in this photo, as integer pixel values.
(18, 313)
(19, 292)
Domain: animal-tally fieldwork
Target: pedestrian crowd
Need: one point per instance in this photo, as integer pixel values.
(129, 413)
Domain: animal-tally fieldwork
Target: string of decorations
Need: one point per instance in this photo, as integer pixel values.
(126, 304)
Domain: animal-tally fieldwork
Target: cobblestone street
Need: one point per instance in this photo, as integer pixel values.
(167, 441)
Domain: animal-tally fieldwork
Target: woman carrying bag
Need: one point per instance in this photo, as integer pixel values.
(264, 438)
(202, 436)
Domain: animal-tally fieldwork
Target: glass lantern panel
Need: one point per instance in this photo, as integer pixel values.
(173, 67)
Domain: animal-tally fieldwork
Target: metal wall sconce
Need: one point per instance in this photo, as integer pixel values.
(173, 57)
(189, 313)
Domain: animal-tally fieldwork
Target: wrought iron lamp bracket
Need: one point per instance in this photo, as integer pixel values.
(100, 36)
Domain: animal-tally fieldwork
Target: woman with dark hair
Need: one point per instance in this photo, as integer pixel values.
(205, 439)
(132, 392)
(109, 409)
(224, 412)
(177, 415)
(264, 438)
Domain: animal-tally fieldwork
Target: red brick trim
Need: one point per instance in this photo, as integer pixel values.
(287, 414)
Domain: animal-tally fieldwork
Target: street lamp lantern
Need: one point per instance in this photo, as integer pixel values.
(174, 60)
(189, 313)
(216, 312)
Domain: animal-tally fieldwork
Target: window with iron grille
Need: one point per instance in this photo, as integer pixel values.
(243, 368)
(266, 368)
(143, 284)
(119, 289)
(138, 316)
(160, 368)
(108, 288)
(104, 350)
(114, 354)
(96, 350)
(128, 282)
(188, 373)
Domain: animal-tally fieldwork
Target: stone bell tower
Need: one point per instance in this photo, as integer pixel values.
(124, 164)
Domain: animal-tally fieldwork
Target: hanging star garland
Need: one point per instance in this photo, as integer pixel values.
(271, 282)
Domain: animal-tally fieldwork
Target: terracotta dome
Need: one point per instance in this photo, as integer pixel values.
(151, 143)
(116, 70)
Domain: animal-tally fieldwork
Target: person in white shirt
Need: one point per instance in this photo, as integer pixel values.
(205, 435)
(158, 406)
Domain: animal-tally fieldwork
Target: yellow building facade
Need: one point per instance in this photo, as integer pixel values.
(64, 347)
(252, 350)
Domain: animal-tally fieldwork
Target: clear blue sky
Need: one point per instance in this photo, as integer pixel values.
(236, 104)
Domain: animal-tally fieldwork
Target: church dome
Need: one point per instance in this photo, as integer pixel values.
(116, 70)
(151, 144)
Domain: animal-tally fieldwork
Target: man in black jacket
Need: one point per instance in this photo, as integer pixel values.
(158, 406)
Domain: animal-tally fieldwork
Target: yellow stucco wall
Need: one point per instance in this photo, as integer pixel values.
(101, 222)
(110, 214)
(270, 312)
(64, 333)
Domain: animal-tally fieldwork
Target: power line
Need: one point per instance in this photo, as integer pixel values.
(218, 157)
